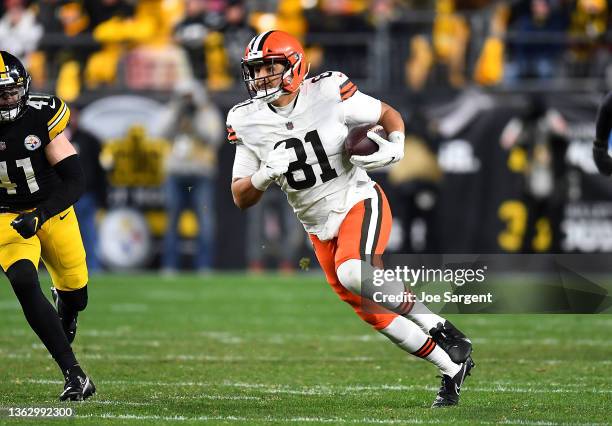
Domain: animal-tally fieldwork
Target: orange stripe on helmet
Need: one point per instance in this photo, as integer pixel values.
(277, 44)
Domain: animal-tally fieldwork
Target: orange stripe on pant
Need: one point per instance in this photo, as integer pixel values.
(360, 222)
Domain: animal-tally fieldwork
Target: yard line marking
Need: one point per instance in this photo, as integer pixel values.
(303, 419)
(231, 338)
(328, 390)
(199, 358)
(9, 305)
(259, 419)
(231, 358)
(216, 397)
(108, 402)
(129, 307)
(155, 400)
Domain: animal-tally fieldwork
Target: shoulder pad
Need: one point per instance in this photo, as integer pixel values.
(236, 108)
(336, 83)
(53, 110)
(237, 116)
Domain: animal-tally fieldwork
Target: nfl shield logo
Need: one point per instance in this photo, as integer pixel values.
(289, 126)
(2, 146)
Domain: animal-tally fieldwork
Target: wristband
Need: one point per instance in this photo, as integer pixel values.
(397, 137)
(260, 179)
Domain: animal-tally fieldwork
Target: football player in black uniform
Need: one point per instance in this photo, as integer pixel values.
(40, 178)
(603, 126)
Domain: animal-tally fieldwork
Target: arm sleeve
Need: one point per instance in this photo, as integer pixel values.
(72, 187)
(245, 162)
(361, 109)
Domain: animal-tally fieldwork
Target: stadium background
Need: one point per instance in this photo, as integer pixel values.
(252, 349)
(464, 74)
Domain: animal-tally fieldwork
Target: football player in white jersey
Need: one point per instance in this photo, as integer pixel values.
(291, 131)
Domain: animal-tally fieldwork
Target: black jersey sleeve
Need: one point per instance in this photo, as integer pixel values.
(53, 111)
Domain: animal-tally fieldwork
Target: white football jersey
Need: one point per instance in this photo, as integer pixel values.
(321, 184)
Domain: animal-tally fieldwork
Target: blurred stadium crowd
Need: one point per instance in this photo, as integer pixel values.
(72, 47)
(184, 57)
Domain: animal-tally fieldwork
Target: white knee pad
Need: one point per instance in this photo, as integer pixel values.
(349, 274)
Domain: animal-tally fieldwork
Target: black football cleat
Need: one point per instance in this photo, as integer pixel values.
(78, 387)
(448, 395)
(68, 320)
(452, 341)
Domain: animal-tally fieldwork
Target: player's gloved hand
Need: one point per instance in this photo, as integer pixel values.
(276, 164)
(603, 126)
(27, 224)
(389, 151)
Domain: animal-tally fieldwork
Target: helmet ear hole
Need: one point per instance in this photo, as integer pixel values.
(288, 75)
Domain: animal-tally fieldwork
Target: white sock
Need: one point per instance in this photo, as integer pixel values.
(441, 359)
(421, 315)
(409, 337)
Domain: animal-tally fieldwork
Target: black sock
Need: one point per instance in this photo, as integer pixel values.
(40, 313)
(73, 301)
(74, 371)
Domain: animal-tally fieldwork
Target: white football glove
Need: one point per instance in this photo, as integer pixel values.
(276, 164)
(389, 151)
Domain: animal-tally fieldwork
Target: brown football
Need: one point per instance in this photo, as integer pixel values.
(358, 143)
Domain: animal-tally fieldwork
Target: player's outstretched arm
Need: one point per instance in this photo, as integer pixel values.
(63, 157)
(244, 193)
(603, 126)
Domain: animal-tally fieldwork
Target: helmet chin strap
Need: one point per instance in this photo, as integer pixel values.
(273, 97)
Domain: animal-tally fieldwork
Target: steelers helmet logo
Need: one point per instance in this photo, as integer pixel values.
(32, 142)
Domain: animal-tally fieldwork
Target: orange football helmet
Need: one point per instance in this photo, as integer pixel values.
(270, 48)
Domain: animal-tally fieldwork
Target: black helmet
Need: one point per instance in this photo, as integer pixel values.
(14, 87)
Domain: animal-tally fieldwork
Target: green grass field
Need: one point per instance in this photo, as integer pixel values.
(230, 349)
